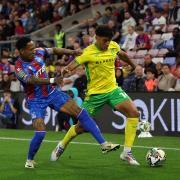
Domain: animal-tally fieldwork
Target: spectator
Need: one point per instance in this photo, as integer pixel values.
(148, 63)
(57, 69)
(8, 110)
(81, 82)
(142, 40)
(4, 65)
(108, 15)
(59, 36)
(148, 16)
(175, 51)
(177, 85)
(56, 16)
(6, 82)
(86, 41)
(62, 8)
(141, 8)
(19, 29)
(15, 83)
(129, 21)
(31, 23)
(73, 93)
(91, 32)
(159, 69)
(115, 29)
(137, 82)
(130, 39)
(159, 22)
(119, 76)
(166, 81)
(165, 10)
(68, 81)
(151, 81)
(1, 82)
(63, 120)
(174, 13)
(125, 8)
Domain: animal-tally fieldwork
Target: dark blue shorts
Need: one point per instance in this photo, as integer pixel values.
(55, 100)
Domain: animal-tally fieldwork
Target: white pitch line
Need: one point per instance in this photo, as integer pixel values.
(83, 143)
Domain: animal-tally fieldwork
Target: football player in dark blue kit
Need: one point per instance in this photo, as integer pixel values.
(41, 92)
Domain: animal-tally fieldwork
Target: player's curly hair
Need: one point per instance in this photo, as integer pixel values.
(22, 42)
(104, 31)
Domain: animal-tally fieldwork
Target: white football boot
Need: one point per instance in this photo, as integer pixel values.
(108, 146)
(30, 164)
(127, 156)
(57, 152)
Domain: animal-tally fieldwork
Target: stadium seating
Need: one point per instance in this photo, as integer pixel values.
(170, 60)
(157, 59)
(153, 52)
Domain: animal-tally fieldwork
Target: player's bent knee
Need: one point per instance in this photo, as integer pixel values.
(133, 113)
(39, 124)
(79, 128)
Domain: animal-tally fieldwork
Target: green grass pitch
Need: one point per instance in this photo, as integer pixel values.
(84, 161)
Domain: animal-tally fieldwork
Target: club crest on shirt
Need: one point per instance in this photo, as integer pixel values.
(41, 71)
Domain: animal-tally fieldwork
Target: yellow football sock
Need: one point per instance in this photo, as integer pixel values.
(130, 131)
(69, 136)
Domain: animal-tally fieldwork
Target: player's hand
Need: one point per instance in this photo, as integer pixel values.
(64, 71)
(58, 80)
(77, 52)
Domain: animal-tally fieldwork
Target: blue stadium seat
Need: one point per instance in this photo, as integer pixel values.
(170, 60)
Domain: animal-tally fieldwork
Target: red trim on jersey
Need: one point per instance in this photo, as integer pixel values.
(41, 75)
(29, 88)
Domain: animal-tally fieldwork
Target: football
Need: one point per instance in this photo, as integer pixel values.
(155, 157)
(144, 126)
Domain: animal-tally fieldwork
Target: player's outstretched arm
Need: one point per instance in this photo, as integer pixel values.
(70, 67)
(124, 57)
(61, 51)
(41, 81)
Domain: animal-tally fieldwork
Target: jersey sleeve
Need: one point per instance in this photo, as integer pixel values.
(83, 58)
(44, 52)
(21, 74)
(116, 46)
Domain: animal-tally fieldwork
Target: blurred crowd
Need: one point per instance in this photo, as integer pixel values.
(19, 17)
(148, 31)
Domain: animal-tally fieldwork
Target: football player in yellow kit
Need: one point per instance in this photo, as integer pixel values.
(99, 59)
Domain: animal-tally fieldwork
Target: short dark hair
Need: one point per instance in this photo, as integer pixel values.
(59, 26)
(151, 70)
(108, 8)
(22, 42)
(168, 65)
(104, 31)
(139, 28)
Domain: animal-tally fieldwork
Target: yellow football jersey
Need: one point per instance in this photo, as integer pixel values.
(100, 68)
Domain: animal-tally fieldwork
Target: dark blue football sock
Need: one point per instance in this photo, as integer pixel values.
(35, 143)
(89, 125)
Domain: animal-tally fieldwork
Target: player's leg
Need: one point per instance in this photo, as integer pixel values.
(71, 108)
(90, 105)
(39, 134)
(125, 105)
